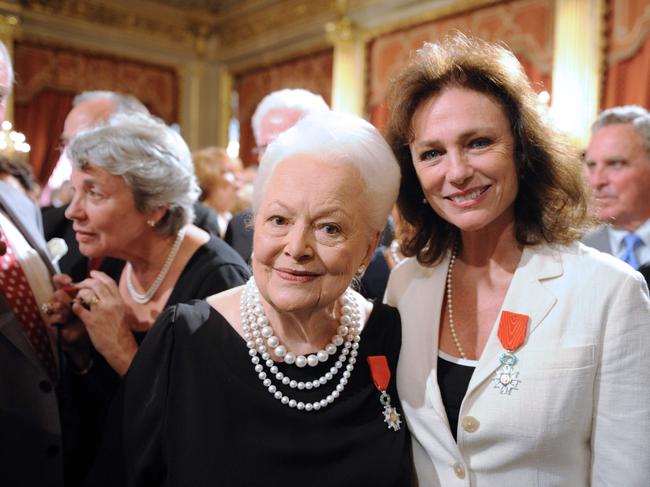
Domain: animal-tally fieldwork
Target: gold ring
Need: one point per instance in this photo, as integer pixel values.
(87, 303)
(47, 308)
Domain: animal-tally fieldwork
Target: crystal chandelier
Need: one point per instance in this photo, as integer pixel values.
(13, 143)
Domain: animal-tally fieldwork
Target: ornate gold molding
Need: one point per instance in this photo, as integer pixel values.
(124, 17)
(276, 17)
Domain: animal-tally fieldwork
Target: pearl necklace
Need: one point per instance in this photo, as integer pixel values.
(255, 326)
(395, 252)
(144, 298)
(450, 309)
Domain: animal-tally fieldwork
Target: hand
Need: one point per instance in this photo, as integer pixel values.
(57, 311)
(99, 305)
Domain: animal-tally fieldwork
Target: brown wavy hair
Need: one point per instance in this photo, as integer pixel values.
(552, 202)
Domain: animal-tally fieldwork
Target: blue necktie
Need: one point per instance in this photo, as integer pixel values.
(632, 242)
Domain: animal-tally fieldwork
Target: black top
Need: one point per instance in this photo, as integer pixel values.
(213, 268)
(453, 380)
(195, 413)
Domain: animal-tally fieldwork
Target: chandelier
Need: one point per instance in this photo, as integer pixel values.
(12, 143)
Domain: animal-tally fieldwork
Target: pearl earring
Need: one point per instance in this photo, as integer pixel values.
(360, 271)
(151, 223)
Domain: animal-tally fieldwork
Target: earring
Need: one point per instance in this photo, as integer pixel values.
(424, 201)
(151, 223)
(360, 271)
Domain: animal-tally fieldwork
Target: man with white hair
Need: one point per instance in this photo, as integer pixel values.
(31, 445)
(277, 112)
(618, 168)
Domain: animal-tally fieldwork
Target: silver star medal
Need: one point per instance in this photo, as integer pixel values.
(391, 416)
(506, 378)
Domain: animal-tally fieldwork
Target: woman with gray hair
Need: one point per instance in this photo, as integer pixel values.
(288, 379)
(134, 190)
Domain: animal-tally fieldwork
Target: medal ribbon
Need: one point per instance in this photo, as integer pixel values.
(379, 371)
(512, 330)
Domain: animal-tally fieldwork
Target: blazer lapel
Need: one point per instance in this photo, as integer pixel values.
(420, 305)
(526, 295)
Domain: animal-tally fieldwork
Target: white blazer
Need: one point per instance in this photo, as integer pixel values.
(581, 414)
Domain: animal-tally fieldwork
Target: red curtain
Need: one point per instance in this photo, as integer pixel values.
(313, 73)
(525, 26)
(41, 120)
(48, 78)
(627, 77)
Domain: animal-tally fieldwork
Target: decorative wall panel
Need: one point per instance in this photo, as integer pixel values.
(525, 26)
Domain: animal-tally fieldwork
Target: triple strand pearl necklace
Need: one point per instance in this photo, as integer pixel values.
(260, 338)
(450, 308)
(144, 298)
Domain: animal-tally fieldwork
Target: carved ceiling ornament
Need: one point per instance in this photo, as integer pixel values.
(124, 16)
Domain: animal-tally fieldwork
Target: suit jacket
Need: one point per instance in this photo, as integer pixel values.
(239, 235)
(30, 449)
(598, 238)
(581, 414)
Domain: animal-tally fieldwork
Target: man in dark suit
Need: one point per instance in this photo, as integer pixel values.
(618, 169)
(31, 446)
(277, 112)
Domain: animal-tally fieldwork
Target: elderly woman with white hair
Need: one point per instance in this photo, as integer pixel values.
(134, 190)
(290, 378)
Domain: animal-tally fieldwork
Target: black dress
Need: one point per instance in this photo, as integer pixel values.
(213, 268)
(195, 413)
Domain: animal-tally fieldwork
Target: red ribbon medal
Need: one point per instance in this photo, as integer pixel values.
(381, 377)
(512, 330)
(511, 333)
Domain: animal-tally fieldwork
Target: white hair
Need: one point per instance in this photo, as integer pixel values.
(634, 115)
(298, 99)
(153, 159)
(340, 138)
(123, 103)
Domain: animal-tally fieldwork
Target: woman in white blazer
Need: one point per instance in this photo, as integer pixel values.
(524, 358)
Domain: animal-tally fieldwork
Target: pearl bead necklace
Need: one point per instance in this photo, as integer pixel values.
(255, 326)
(450, 308)
(144, 298)
(395, 252)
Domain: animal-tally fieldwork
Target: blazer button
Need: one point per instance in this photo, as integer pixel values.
(459, 470)
(45, 386)
(470, 424)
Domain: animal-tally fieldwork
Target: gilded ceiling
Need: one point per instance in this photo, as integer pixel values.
(221, 30)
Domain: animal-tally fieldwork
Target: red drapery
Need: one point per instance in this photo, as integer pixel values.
(525, 26)
(627, 77)
(41, 120)
(313, 73)
(47, 79)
